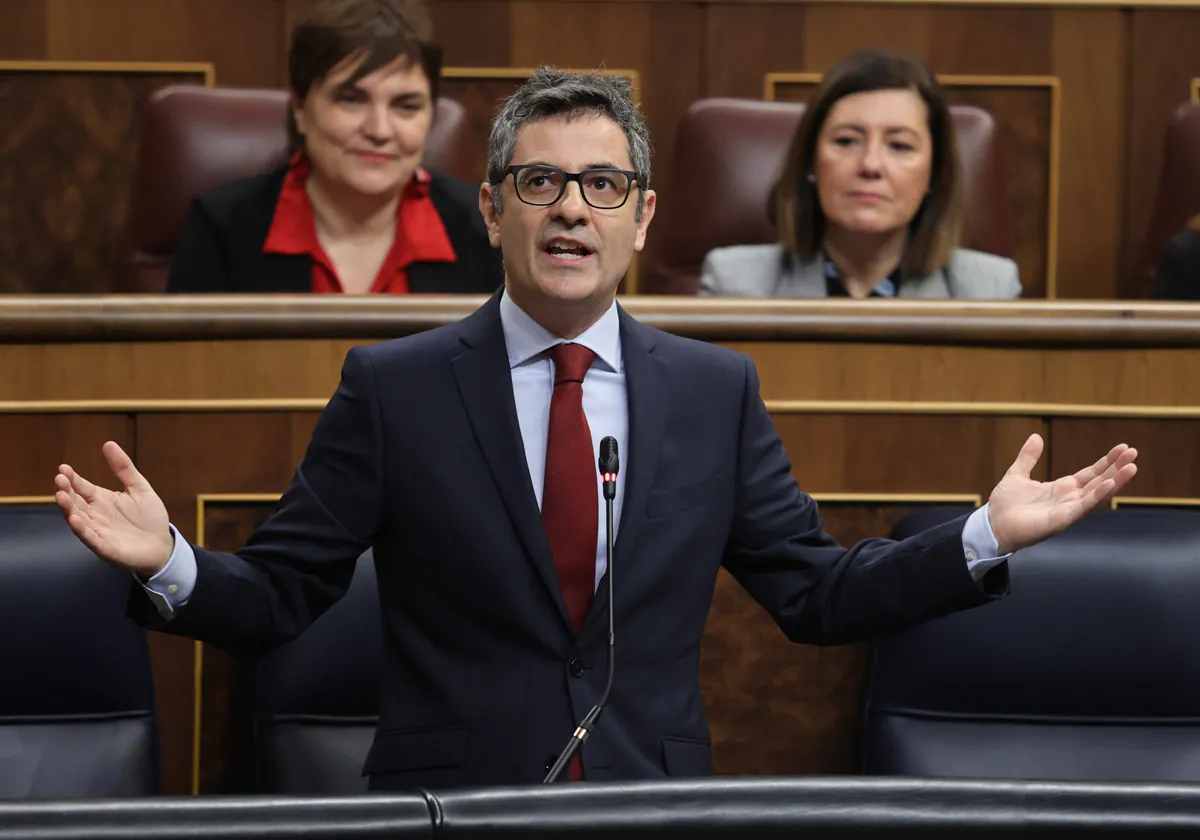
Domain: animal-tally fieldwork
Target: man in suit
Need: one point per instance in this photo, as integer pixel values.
(466, 456)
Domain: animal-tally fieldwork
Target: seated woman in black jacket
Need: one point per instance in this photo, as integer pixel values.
(1177, 276)
(353, 212)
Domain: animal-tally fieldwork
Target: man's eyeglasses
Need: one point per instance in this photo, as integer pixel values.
(541, 186)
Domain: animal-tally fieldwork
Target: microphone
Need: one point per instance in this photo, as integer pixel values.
(609, 464)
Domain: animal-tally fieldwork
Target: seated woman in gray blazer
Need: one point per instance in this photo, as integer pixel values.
(870, 199)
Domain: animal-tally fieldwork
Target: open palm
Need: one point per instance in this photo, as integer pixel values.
(128, 528)
(1023, 511)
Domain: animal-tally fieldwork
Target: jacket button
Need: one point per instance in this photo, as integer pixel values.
(576, 667)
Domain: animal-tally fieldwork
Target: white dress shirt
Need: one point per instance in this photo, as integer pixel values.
(605, 404)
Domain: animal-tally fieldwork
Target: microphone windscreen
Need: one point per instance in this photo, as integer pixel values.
(609, 462)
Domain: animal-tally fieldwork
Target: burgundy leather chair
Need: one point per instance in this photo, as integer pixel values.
(1178, 195)
(739, 145)
(196, 138)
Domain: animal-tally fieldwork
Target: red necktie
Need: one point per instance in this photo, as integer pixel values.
(569, 497)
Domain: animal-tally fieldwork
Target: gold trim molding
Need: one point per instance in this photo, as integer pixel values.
(974, 499)
(1153, 501)
(882, 407)
(1007, 409)
(772, 80)
(204, 68)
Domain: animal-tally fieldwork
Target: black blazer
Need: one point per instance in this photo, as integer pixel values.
(220, 249)
(483, 677)
(1178, 274)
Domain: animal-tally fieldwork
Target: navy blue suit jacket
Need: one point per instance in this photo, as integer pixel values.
(419, 455)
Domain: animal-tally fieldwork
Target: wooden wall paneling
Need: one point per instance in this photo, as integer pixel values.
(833, 31)
(66, 162)
(23, 29)
(473, 32)
(36, 444)
(1028, 109)
(1168, 451)
(1162, 61)
(223, 761)
(1159, 381)
(1090, 59)
(733, 64)
(241, 38)
(185, 456)
(779, 708)
(260, 370)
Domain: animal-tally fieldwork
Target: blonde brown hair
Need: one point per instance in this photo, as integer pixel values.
(794, 206)
(380, 30)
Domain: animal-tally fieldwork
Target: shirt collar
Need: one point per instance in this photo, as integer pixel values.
(526, 339)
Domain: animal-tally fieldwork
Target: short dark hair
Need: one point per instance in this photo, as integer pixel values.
(551, 92)
(380, 30)
(795, 207)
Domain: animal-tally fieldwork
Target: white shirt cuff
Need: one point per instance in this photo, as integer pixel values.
(980, 546)
(171, 587)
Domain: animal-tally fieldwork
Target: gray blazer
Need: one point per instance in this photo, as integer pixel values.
(769, 271)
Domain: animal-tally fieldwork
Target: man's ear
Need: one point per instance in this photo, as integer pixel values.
(491, 217)
(643, 224)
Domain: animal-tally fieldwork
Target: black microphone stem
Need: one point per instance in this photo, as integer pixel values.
(589, 721)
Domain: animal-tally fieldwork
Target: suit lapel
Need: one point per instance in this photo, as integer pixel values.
(485, 386)
(648, 386)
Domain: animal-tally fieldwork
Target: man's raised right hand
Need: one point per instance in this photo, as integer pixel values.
(128, 528)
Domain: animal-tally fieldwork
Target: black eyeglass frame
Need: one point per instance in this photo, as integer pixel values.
(568, 177)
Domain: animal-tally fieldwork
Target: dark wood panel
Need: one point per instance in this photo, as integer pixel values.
(22, 29)
(1026, 113)
(993, 41)
(65, 167)
(1162, 61)
(244, 40)
(903, 454)
(1091, 61)
(37, 444)
(226, 764)
(1168, 451)
(734, 65)
(482, 43)
(184, 456)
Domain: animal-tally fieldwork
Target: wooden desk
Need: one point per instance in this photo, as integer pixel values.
(884, 406)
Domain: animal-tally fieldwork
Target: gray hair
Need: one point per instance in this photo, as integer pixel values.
(556, 93)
